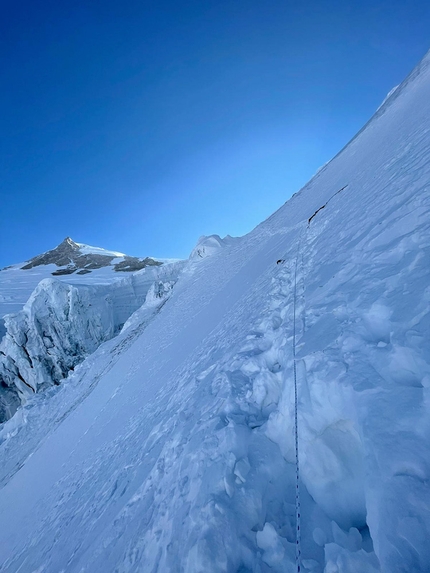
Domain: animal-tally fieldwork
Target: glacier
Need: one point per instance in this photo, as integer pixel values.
(171, 448)
(61, 324)
(70, 262)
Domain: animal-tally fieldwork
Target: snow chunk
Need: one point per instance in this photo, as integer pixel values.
(241, 469)
(340, 560)
(271, 543)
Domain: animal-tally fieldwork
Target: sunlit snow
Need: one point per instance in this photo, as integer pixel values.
(171, 448)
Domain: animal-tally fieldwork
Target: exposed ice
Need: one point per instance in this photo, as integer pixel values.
(62, 324)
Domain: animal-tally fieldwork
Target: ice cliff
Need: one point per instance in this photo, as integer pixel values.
(61, 324)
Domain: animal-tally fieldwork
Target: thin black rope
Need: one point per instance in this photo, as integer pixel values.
(296, 425)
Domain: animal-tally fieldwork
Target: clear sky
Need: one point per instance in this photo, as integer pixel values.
(140, 125)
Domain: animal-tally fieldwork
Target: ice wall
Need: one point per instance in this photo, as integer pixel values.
(61, 324)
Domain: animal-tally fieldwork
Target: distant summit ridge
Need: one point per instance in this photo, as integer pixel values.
(73, 257)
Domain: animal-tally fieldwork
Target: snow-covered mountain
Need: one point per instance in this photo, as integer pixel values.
(74, 263)
(61, 323)
(73, 257)
(172, 447)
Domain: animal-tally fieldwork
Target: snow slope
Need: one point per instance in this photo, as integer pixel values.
(172, 448)
(89, 250)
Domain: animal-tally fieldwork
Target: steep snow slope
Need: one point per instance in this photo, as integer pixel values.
(172, 448)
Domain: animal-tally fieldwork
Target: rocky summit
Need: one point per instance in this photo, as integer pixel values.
(70, 257)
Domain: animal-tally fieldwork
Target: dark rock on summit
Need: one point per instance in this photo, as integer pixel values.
(68, 254)
(67, 271)
(131, 264)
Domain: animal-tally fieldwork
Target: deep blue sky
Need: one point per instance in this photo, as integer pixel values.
(139, 126)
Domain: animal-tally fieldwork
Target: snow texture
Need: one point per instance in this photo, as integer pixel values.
(171, 447)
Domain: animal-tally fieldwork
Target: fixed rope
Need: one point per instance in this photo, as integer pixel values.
(296, 400)
(296, 426)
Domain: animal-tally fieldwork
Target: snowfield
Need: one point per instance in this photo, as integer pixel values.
(171, 448)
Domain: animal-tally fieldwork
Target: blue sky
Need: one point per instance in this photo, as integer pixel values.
(139, 126)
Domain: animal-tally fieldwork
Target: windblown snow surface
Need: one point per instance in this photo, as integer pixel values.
(172, 449)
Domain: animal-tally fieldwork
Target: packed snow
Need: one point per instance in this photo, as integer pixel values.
(171, 448)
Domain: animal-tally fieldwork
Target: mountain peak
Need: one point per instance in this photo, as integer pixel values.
(73, 257)
(69, 241)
